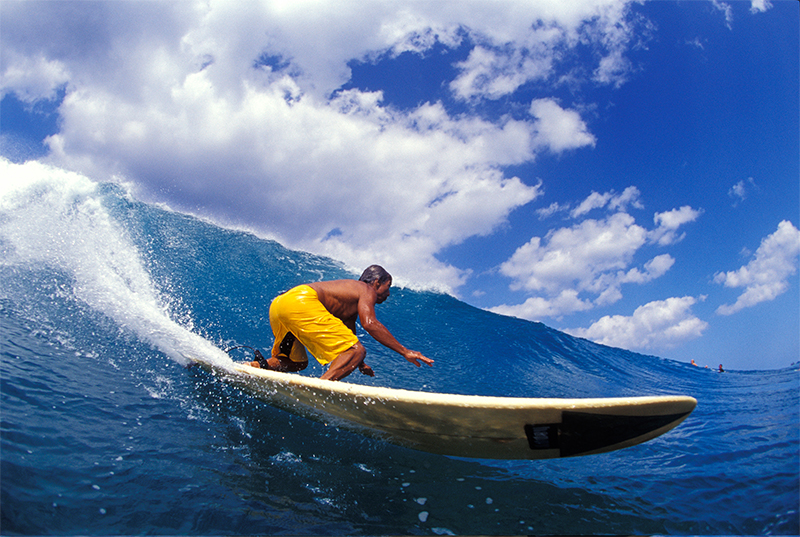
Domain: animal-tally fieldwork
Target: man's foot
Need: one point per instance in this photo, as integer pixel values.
(260, 360)
(280, 363)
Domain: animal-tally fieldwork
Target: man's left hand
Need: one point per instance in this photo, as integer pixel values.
(416, 357)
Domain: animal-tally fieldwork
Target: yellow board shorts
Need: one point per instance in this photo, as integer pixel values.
(300, 312)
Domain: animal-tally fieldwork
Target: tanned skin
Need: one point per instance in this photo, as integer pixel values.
(349, 300)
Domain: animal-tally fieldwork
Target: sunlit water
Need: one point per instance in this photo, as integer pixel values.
(105, 431)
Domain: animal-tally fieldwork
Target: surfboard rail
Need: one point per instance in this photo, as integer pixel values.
(473, 426)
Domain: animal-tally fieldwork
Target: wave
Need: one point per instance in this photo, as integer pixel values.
(105, 431)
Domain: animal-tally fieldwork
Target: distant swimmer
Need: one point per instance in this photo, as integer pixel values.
(694, 364)
(321, 317)
(720, 369)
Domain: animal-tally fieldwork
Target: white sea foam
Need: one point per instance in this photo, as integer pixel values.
(56, 218)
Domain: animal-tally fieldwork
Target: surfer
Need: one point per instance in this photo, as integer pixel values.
(321, 317)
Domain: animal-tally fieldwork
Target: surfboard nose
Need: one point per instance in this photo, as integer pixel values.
(583, 433)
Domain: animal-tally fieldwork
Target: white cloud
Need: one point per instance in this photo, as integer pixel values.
(696, 42)
(727, 11)
(594, 201)
(619, 33)
(655, 268)
(766, 276)
(578, 255)
(740, 190)
(550, 210)
(612, 200)
(226, 109)
(559, 129)
(658, 324)
(538, 308)
(613, 69)
(737, 192)
(591, 258)
(760, 6)
(523, 41)
(668, 223)
(491, 75)
(31, 78)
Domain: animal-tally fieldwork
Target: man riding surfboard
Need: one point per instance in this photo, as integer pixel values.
(321, 317)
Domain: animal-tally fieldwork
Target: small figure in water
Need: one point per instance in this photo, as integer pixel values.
(720, 369)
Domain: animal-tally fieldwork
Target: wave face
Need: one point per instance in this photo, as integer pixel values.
(104, 431)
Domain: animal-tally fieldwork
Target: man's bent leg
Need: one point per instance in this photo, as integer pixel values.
(345, 363)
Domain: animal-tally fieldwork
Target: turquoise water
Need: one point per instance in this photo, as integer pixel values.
(105, 431)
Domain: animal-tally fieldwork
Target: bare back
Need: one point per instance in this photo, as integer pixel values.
(342, 297)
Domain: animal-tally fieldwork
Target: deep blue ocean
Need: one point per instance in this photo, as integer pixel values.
(105, 431)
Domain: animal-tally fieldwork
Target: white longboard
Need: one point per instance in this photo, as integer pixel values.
(467, 425)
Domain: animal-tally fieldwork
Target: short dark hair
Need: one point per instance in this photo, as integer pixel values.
(373, 273)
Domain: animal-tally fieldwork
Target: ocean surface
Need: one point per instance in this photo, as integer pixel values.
(105, 431)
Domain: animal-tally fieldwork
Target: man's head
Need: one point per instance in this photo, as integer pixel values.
(375, 273)
(376, 277)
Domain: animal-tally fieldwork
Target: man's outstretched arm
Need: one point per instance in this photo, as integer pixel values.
(381, 334)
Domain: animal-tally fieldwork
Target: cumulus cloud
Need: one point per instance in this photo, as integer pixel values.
(591, 258)
(538, 308)
(759, 6)
(658, 324)
(559, 129)
(32, 79)
(667, 224)
(493, 74)
(580, 254)
(234, 111)
(765, 277)
(523, 42)
(655, 268)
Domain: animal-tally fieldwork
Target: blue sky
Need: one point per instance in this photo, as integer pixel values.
(626, 172)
